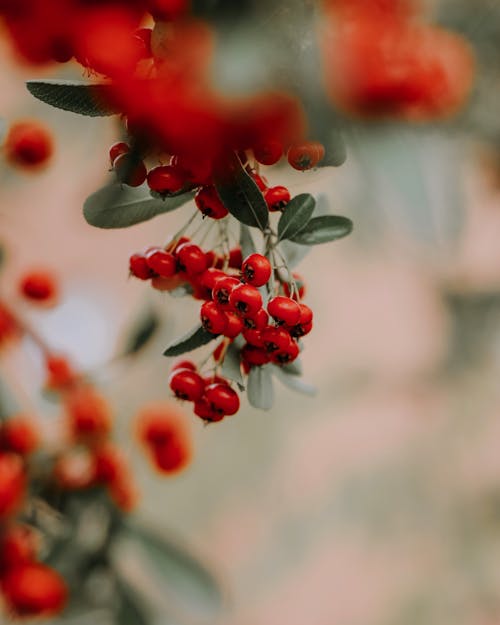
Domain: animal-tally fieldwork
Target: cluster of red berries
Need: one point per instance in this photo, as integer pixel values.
(212, 395)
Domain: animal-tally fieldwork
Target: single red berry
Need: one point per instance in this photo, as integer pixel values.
(34, 589)
(253, 337)
(268, 153)
(12, 483)
(277, 198)
(284, 310)
(257, 321)
(283, 356)
(89, 413)
(209, 203)
(222, 398)
(123, 492)
(109, 463)
(211, 259)
(177, 244)
(60, 372)
(19, 435)
(245, 299)
(17, 546)
(275, 339)
(139, 267)
(205, 411)
(234, 325)
(117, 149)
(130, 170)
(186, 384)
(306, 155)
(299, 283)
(304, 325)
(259, 180)
(213, 319)
(166, 179)
(184, 364)
(222, 291)
(210, 276)
(28, 144)
(254, 356)
(191, 258)
(39, 286)
(162, 263)
(256, 270)
(235, 258)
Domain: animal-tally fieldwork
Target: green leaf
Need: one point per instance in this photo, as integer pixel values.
(119, 206)
(231, 367)
(292, 368)
(292, 381)
(196, 337)
(166, 575)
(260, 389)
(77, 97)
(8, 403)
(131, 610)
(246, 241)
(241, 196)
(296, 216)
(324, 229)
(141, 333)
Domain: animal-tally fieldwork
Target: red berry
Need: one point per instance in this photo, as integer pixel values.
(162, 263)
(235, 258)
(304, 325)
(166, 179)
(277, 198)
(259, 180)
(186, 384)
(60, 372)
(257, 321)
(284, 310)
(299, 283)
(209, 203)
(254, 356)
(205, 411)
(110, 463)
(139, 267)
(275, 339)
(184, 364)
(268, 153)
(222, 291)
(34, 589)
(117, 149)
(12, 483)
(209, 277)
(213, 319)
(214, 379)
(28, 144)
(130, 170)
(256, 270)
(289, 354)
(192, 258)
(254, 337)
(19, 435)
(245, 299)
(306, 155)
(88, 412)
(17, 546)
(234, 325)
(222, 398)
(39, 286)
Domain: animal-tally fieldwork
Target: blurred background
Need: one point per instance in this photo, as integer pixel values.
(377, 501)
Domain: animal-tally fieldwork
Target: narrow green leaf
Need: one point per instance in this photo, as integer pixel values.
(196, 337)
(260, 389)
(231, 367)
(77, 97)
(141, 333)
(293, 382)
(296, 216)
(324, 229)
(292, 368)
(166, 575)
(119, 206)
(246, 241)
(132, 610)
(241, 196)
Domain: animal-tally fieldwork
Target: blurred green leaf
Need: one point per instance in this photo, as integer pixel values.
(142, 331)
(292, 381)
(260, 389)
(8, 403)
(196, 337)
(231, 367)
(323, 230)
(296, 215)
(119, 206)
(131, 610)
(241, 196)
(77, 97)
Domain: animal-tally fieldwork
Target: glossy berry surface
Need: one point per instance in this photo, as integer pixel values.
(191, 258)
(28, 145)
(162, 263)
(213, 319)
(130, 170)
(222, 291)
(187, 384)
(268, 153)
(209, 203)
(222, 398)
(117, 149)
(256, 270)
(245, 299)
(277, 198)
(275, 339)
(166, 179)
(34, 589)
(306, 155)
(39, 286)
(284, 310)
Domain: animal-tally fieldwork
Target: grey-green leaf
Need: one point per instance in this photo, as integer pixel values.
(293, 382)
(142, 331)
(168, 577)
(296, 216)
(196, 337)
(77, 97)
(231, 367)
(324, 229)
(119, 206)
(241, 196)
(260, 388)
